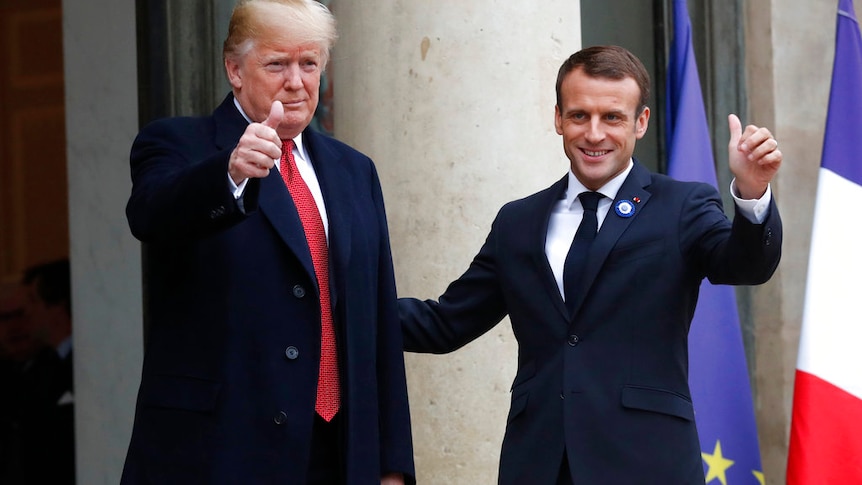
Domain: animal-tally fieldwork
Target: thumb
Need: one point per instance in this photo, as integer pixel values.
(735, 130)
(276, 113)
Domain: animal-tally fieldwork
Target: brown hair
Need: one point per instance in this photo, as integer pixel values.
(607, 61)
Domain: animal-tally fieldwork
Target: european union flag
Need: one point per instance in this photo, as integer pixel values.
(718, 377)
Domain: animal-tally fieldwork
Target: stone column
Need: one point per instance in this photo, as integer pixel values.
(455, 102)
(101, 120)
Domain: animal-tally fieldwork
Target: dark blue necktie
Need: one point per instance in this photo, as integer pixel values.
(577, 257)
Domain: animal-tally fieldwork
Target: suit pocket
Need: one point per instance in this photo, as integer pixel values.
(633, 252)
(181, 392)
(657, 400)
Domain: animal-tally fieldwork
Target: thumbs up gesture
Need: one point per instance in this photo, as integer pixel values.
(753, 156)
(258, 148)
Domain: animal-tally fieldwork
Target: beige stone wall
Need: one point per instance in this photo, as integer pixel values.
(454, 101)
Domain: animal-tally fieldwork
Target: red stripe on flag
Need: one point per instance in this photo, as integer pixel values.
(825, 435)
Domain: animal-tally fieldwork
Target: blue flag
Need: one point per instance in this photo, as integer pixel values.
(718, 376)
(841, 139)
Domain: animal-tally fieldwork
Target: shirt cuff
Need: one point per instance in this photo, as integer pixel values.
(237, 191)
(755, 210)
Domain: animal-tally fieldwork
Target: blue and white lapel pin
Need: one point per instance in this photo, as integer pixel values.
(624, 208)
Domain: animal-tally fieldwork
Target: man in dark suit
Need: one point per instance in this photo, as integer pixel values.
(600, 288)
(37, 432)
(273, 350)
(46, 387)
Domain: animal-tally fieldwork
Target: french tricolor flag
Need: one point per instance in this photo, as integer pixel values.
(826, 431)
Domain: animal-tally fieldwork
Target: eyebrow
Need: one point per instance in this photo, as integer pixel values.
(618, 112)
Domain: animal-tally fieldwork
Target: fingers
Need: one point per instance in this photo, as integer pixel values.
(755, 143)
(766, 152)
(259, 145)
(258, 148)
(253, 157)
(256, 151)
(759, 145)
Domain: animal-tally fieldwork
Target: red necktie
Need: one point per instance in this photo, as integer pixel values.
(328, 399)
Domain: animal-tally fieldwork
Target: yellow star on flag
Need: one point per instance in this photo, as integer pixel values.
(717, 463)
(759, 476)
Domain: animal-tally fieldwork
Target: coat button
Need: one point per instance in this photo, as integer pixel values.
(298, 291)
(291, 352)
(280, 418)
(573, 340)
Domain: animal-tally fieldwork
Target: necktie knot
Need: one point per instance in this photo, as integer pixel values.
(589, 224)
(590, 200)
(287, 166)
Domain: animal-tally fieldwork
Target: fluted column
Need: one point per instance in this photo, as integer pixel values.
(455, 102)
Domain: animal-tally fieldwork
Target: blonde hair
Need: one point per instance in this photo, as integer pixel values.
(302, 22)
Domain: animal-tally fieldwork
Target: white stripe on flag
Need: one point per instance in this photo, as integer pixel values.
(831, 326)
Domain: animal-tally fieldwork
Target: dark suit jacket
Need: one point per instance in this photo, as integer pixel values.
(233, 339)
(609, 384)
(37, 428)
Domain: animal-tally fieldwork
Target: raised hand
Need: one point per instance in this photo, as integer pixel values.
(753, 157)
(258, 148)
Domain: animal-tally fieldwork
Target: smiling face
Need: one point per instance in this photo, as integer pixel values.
(599, 121)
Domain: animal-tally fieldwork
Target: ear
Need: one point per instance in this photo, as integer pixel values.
(234, 72)
(558, 120)
(642, 123)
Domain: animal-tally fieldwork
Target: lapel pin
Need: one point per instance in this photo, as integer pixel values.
(637, 200)
(624, 208)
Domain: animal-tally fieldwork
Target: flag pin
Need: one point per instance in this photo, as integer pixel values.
(637, 200)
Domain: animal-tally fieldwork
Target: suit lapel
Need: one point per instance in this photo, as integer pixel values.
(539, 229)
(613, 227)
(277, 206)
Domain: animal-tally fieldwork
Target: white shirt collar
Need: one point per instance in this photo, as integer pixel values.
(609, 190)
